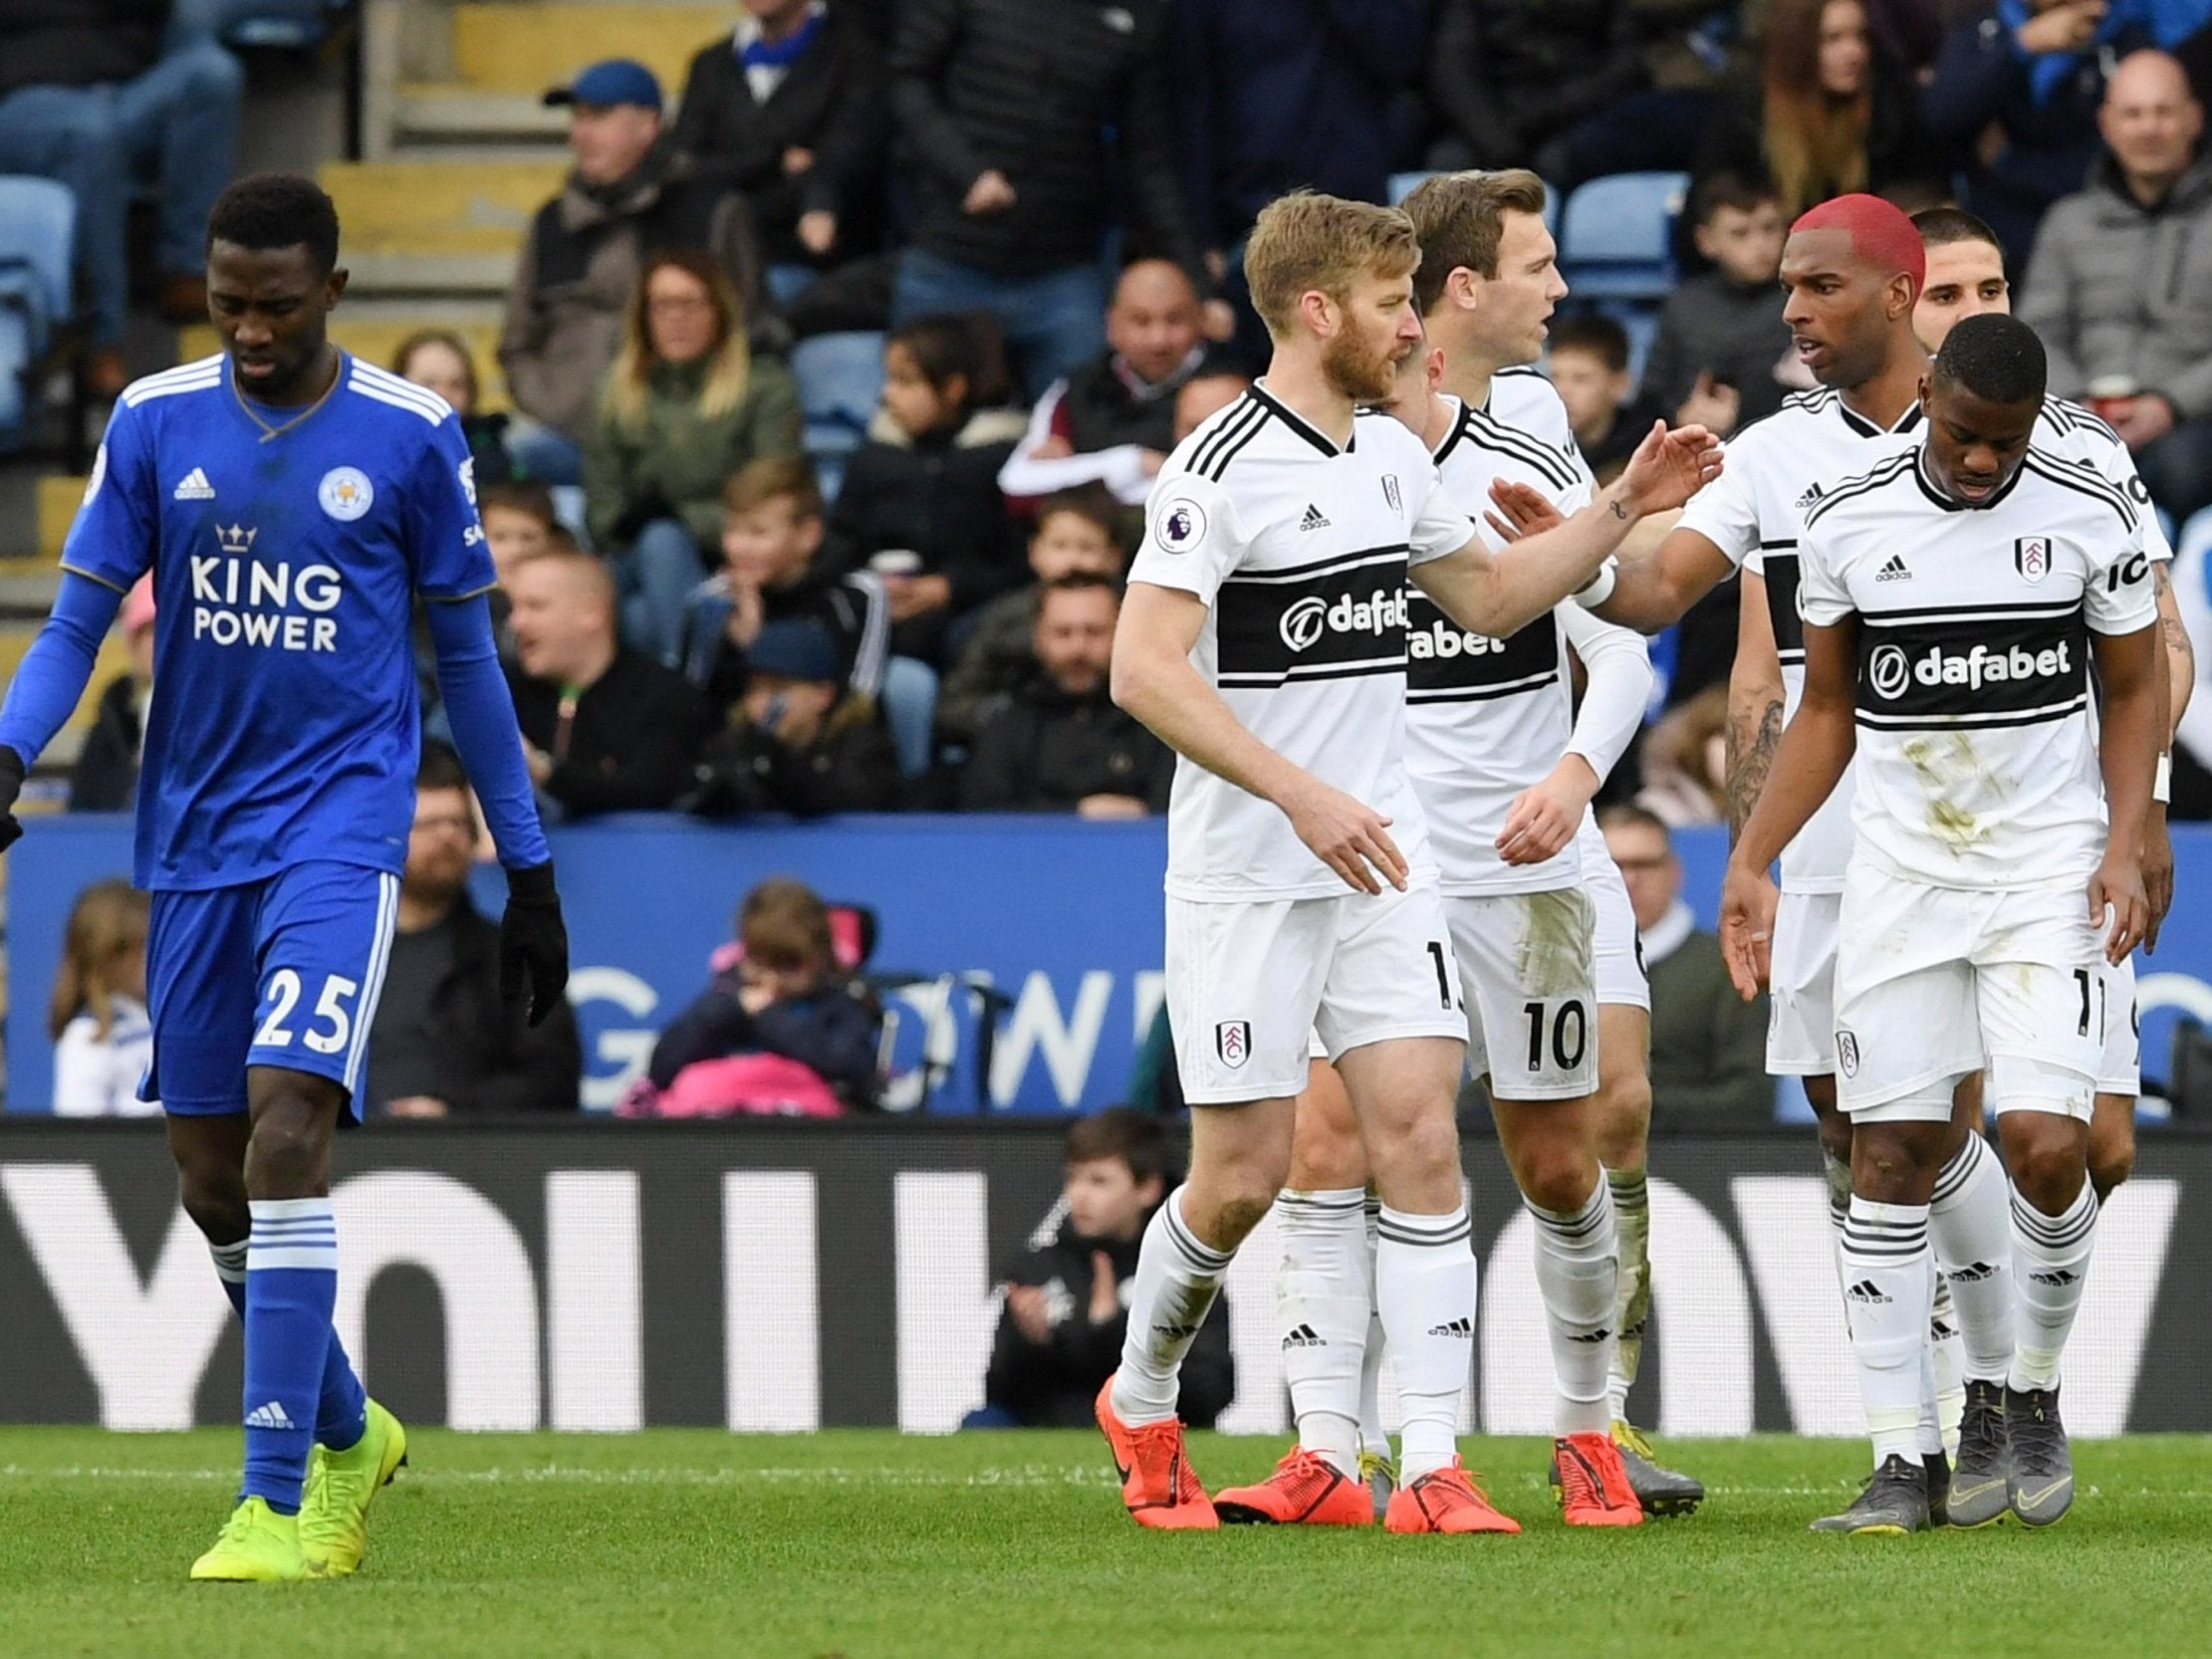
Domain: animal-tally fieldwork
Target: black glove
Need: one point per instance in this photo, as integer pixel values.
(10, 786)
(533, 943)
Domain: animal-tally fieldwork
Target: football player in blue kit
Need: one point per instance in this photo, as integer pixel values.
(292, 503)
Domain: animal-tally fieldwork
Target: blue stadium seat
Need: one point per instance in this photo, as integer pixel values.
(38, 238)
(282, 25)
(1615, 244)
(841, 377)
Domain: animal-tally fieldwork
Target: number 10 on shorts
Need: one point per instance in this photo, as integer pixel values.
(328, 1030)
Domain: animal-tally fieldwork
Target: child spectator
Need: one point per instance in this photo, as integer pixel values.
(1721, 334)
(1075, 536)
(920, 504)
(801, 741)
(1056, 743)
(771, 536)
(106, 776)
(103, 1039)
(519, 524)
(781, 1030)
(1589, 364)
(439, 360)
(1059, 1336)
(686, 406)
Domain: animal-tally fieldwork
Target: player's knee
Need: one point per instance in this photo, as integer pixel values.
(1623, 1119)
(288, 1154)
(217, 1205)
(1835, 1131)
(2109, 1166)
(1896, 1164)
(2048, 1169)
(1423, 1150)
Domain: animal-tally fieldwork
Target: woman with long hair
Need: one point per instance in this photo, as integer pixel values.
(103, 1039)
(439, 360)
(1831, 116)
(684, 405)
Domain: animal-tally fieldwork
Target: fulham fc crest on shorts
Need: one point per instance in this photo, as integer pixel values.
(1232, 1041)
(1847, 1053)
(2031, 557)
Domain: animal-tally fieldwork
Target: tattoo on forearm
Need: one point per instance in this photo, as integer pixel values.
(1748, 765)
(1619, 512)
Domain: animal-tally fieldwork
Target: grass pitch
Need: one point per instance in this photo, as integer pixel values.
(856, 1543)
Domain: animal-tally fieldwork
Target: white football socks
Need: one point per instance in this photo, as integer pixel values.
(2051, 1265)
(1178, 1279)
(1631, 1209)
(1888, 1291)
(1322, 1304)
(1424, 1275)
(1970, 1226)
(1577, 1276)
(1375, 1437)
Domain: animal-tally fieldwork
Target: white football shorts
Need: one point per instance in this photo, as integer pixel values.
(1933, 983)
(1250, 982)
(1800, 986)
(2122, 1071)
(1620, 955)
(1530, 988)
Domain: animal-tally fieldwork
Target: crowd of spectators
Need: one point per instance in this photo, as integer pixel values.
(1039, 213)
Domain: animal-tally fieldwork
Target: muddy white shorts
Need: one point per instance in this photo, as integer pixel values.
(1530, 987)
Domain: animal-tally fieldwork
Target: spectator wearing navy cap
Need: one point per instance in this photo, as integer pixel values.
(627, 198)
(801, 741)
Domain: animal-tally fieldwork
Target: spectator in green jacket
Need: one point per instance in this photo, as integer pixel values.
(686, 406)
(1708, 1046)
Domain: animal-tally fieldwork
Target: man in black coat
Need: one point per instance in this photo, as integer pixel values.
(1058, 745)
(1005, 110)
(790, 109)
(1060, 1336)
(443, 1044)
(604, 728)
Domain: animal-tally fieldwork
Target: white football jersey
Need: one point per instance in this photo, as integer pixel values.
(1486, 718)
(1778, 470)
(1299, 551)
(1977, 763)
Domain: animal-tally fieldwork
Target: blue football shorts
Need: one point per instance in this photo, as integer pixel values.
(284, 971)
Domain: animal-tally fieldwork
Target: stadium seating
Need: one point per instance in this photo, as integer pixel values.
(841, 377)
(38, 235)
(1615, 240)
(294, 26)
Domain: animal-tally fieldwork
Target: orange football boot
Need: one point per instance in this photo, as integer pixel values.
(1306, 1489)
(1593, 1484)
(1157, 1481)
(1445, 1500)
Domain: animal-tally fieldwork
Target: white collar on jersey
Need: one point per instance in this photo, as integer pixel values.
(1869, 429)
(1924, 476)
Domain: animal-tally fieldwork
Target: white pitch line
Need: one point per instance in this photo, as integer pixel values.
(1031, 1476)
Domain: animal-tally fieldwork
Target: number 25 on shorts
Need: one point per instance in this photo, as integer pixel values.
(282, 999)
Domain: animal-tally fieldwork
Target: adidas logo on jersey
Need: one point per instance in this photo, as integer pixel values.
(1868, 1290)
(1810, 499)
(1454, 1327)
(1305, 1336)
(194, 487)
(1889, 670)
(1894, 571)
(1315, 518)
(269, 1416)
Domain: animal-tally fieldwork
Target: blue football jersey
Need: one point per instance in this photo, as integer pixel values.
(284, 724)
